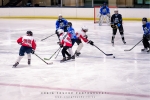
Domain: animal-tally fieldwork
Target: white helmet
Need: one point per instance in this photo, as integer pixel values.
(84, 28)
(60, 31)
(59, 15)
(116, 10)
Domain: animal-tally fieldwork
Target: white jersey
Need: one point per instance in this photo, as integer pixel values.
(65, 39)
(82, 35)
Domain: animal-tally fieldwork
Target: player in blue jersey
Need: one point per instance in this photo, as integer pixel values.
(104, 12)
(61, 23)
(146, 35)
(72, 32)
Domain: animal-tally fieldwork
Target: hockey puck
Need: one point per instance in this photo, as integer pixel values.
(114, 57)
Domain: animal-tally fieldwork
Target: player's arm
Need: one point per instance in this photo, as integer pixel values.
(101, 10)
(57, 25)
(112, 22)
(65, 22)
(83, 38)
(33, 44)
(112, 19)
(108, 11)
(19, 41)
(120, 21)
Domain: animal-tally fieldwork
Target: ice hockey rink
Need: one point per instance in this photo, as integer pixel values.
(126, 77)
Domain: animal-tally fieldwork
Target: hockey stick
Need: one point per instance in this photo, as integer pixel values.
(47, 37)
(52, 55)
(134, 46)
(43, 60)
(57, 53)
(103, 51)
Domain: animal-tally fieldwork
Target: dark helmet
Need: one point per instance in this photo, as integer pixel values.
(144, 19)
(30, 33)
(69, 24)
(104, 4)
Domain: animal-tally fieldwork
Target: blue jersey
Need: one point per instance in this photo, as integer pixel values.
(146, 28)
(104, 10)
(72, 32)
(60, 23)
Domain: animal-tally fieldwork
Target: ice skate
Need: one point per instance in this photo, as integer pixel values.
(29, 61)
(145, 49)
(15, 65)
(63, 60)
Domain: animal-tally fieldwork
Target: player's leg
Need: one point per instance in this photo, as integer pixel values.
(71, 53)
(113, 35)
(80, 46)
(121, 30)
(101, 18)
(21, 54)
(108, 19)
(28, 51)
(145, 44)
(64, 53)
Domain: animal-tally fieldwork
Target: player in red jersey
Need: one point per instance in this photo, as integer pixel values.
(81, 35)
(28, 45)
(66, 43)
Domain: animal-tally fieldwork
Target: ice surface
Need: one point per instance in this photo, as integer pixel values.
(127, 77)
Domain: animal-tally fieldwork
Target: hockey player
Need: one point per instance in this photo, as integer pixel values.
(104, 12)
(61, 23)
(28, 45)
(116, 23)
(71, 31)
(146, 35)
(65, 42)
(81, 35)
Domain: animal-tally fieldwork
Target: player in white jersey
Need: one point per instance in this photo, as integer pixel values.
(81, 35)
(66, 43)
(28, 45)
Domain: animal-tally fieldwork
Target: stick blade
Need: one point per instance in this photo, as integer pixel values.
(109, 54)
(46, 58)
(127, 50)
(50, 63)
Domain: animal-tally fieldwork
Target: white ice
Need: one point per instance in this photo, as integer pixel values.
(127, 77)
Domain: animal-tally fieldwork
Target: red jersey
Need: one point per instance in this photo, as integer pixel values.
(27, 41)
(82, 35)
(65, 39)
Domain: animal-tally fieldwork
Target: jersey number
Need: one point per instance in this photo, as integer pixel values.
(27, 41)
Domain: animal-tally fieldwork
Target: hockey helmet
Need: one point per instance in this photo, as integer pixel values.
(69, 24)
(84, 28)
(29, 33)
(116, 10)
(104, 4)
(144, 19)
(60, 31)
(60, 16)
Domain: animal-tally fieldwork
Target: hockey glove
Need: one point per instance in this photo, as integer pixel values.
(91, 42)
(61, 45)
(113, 26)
(32, 51)
(118, 25)
(86, 36)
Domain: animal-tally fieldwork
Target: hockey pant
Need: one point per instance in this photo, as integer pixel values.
(24, 49)
(121, 30)
(64, 51)
(146, 44)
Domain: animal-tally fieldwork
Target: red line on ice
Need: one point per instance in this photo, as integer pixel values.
(76, 90)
